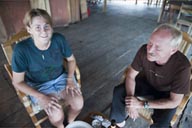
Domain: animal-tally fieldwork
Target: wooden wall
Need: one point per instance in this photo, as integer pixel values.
(3, 33)
(12, 13)
(43, 4)
(75, 10)
(83, 8)
(62, 12)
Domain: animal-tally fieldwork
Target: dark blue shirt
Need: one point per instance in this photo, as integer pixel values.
(41, 65)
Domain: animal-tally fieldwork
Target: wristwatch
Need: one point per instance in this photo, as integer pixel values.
(146, 104)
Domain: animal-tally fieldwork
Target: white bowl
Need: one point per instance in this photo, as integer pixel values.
(79, 124)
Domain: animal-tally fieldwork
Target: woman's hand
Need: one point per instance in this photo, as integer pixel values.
(72, 88)
(48, 103)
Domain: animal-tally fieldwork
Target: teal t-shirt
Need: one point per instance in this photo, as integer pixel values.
(41, 65)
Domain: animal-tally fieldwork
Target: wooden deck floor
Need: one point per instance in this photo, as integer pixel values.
(104, 45)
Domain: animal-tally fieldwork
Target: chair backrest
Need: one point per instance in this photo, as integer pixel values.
(185, 12)
(184, 18)
(185, 45)
(7, 47)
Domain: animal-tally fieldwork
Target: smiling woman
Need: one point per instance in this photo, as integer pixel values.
(38, 69)
(40, 28)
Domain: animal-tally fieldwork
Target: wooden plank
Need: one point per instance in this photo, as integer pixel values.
(9, 107)
(72, 3)
(17, 119)
(77, 10)
(2, 58)
(161, 11)
(6, 89)
(69, 10)
(43, 4)
(3, 33)
(83, 8)
(60, 12)
(7, 94)
(75, 14)
(12, 14)
(105, 6)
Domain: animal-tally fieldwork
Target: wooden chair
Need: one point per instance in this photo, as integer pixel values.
(184, 18)
(7, 47)
(185, 49)
(168, 11)
(146, 113)
(171, 7)
(163, 11)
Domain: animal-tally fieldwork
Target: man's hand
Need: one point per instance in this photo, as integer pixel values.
(132, 101)
(132, 104)
(133, 113)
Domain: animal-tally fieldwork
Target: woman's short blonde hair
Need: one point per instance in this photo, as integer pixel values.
(34, 13)
(177, 36)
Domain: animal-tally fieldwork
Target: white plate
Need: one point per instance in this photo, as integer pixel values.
(79, 124)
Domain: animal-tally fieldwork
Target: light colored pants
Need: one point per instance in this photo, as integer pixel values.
(51, 87)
